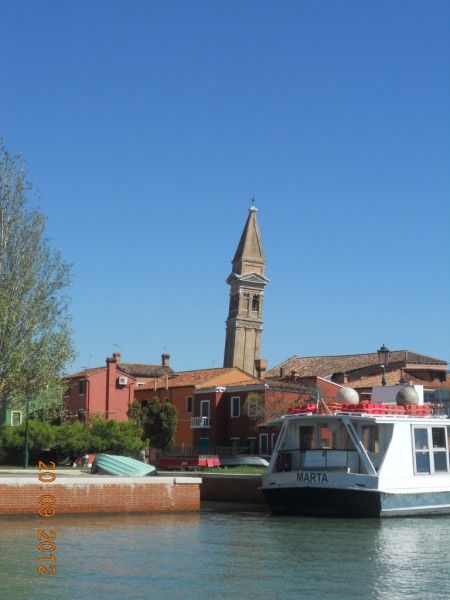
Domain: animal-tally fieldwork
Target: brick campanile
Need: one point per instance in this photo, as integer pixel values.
(247, 280)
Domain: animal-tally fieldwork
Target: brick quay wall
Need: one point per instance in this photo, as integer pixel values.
(26, 494)
(223, 487)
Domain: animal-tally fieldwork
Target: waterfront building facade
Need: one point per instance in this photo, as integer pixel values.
(109, 390)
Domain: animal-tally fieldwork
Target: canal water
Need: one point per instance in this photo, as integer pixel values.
(223, 553)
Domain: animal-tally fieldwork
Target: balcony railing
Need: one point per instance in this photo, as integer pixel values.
(200, 422)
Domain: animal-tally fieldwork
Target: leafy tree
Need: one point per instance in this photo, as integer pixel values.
(136, 413)
(41, 437)
(108, 435)
(73, 440)
(161, 423)
(130, 439)
(35, 337)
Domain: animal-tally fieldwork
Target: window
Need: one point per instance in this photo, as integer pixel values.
(431, 448)
(448, 442)
(189, 404)
(264, 443)
(16, 418)
(421, 450)
(204, 408)
(438, 435)
(307, 437)
(235, 406)
(82, 387)
(369, 438)
(234, 304)
(273, 440)
(255, 406)
(251, 443)
(234, 443)
(255, 304)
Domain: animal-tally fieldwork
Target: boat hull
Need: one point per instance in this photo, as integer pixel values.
(121, 466)
(315, 501)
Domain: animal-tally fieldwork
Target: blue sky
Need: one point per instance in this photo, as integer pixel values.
(147, 127)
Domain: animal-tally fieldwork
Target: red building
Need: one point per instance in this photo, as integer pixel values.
(181, 389)
(109, 390)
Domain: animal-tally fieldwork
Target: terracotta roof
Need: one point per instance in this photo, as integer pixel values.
(197, 378)
(86, 372)
(326, 366)
(141, 370)
(132, 369)
(393, 378)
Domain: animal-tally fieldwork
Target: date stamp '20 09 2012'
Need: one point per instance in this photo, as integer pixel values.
(46, 510)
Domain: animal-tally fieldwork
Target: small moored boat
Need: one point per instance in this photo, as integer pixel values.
(243, 460)
(121, 465)
(364, 459)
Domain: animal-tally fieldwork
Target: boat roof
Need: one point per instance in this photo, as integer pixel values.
(360, 416)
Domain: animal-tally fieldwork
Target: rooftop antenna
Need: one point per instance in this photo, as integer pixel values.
(89, 363)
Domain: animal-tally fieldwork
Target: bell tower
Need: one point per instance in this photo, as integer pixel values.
(247, 280)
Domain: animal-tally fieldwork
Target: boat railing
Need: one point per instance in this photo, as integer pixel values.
(318, 459)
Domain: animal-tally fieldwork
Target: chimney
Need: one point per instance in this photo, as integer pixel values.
(261, 366)
(282, 372)
(165, 358)
(114, 359)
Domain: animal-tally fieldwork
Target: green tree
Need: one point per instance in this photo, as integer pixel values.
(161, 423)
(73, 440)
(41, 437)
(108, 435)
(35, 337)
(136, 413)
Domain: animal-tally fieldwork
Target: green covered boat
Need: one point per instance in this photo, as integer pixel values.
(121, 465)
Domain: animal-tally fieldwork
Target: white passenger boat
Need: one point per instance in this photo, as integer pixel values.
(367, 459)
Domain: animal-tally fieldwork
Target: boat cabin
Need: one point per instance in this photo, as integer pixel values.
(359, 444)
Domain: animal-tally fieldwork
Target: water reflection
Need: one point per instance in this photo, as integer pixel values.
(217, 554)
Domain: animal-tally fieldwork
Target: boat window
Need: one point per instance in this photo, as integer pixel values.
(328, 436)
(438, 435)
(307, 437)
(448, 443)
(421, 450)
(346, 440)
(421, 438)
(370, 438)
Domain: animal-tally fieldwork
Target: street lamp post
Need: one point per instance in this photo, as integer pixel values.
(25, 449)
(383, 359)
